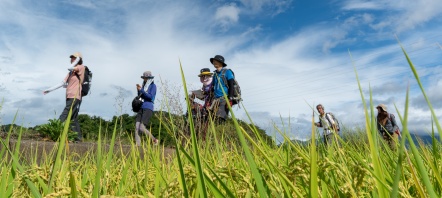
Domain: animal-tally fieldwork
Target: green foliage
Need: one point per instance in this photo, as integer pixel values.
(53, 130)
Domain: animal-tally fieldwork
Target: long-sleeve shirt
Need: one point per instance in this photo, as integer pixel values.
(389, 125)
(148, 96)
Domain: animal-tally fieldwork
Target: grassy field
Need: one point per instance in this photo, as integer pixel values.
(222, 167)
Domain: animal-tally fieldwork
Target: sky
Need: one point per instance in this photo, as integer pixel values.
(287, 55)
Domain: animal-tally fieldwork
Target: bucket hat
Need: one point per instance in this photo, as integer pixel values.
(76, 55)
(382, 106)
(205, 72)
(147, 74)
(218, 58)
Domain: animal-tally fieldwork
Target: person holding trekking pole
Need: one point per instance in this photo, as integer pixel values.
(72, 82)
(327, 121)
(147, 94)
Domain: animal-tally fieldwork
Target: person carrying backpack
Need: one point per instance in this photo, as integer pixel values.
(387, 126)
(72, 82)
(219, 104)
(147, 94)
(329, 123)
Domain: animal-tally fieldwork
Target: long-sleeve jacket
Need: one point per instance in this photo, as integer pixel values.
(148, 96)
(389, 126)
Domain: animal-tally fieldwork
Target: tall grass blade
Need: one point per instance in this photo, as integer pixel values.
(97, 183)
(313, 162)
(199, 169)
(62, 140)
(420, 165)
(262, 189)
(371, 134)
(416, 76)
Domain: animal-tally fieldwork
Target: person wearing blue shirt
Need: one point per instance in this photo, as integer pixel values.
(221, 87)
(146, 111)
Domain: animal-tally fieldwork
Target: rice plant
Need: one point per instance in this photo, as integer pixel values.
(221, 167)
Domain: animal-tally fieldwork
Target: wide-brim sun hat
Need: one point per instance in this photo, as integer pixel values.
(147, 74)
(382, 106)
(219, 58)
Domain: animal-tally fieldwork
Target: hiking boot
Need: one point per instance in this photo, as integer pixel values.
(155, 142)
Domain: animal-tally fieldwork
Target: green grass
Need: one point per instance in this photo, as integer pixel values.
(234, 161)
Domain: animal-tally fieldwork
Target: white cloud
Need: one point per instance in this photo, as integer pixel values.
(272, 7)
(362, 5)
(402, 15)
(227, 15)
(278, 77)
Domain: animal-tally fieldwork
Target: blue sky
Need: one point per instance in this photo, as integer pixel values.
(287, 55)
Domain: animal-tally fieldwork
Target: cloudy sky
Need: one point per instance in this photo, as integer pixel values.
(287, 55)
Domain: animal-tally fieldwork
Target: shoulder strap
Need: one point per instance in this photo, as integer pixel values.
(223, 76)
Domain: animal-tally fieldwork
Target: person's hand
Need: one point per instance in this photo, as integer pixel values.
(138, 87)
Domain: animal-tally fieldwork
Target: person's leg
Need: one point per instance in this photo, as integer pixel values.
(221, 113)
(138, 127)
(147, 114)
(64, 114)
(74, 121)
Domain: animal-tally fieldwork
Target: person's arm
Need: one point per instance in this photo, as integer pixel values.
(150, 94)
(73, 64)
(231, 84)
(55, 87)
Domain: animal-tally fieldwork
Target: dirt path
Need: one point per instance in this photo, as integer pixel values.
(29, 149)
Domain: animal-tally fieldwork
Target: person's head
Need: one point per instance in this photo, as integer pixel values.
(75, 56)
(218, 62)
(382, 112)
(147, 75)
(205, 76)
(320, 109)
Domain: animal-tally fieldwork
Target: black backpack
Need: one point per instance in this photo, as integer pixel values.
(137, 103)
(237, 89)
(86, 85)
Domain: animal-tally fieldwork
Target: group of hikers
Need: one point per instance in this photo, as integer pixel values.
(385, 121)
(215, 86)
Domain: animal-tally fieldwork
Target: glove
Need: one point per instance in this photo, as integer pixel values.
(71, 68)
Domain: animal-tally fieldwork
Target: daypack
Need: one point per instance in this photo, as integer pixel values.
(395, 127)
(137, 102)
(86, 85)
(237, 89)
(334, 119)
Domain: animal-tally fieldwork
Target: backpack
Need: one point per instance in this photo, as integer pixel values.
(237, 89)
(87, 81)
(334, 119)
(137, 103)
(395, 126)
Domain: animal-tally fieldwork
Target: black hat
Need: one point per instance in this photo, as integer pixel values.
(218, 58)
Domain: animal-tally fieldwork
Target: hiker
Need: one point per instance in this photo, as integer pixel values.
(199, 112)
(147, 94)
(219, 104)
(387, 126)
(326, 121)
(72, 82)
(204, 93)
